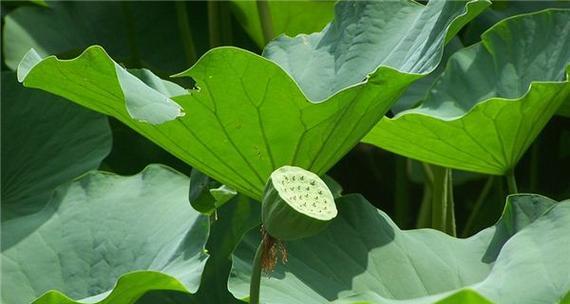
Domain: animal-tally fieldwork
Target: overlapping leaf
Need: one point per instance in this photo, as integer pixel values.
(500, 10)
(287, 17)
(150, 239)
(364, 257)
(492, 100)
(45, 142)
(419, 89)
(101, 228)
(403, 35)
(247, 116)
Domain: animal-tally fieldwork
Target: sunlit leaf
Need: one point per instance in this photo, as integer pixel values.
(247, 116)
(492, 100)
(136, 232)
(287, 17)
(366, 37)
(363, 257)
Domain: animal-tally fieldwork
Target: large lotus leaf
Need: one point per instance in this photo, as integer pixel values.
(103, 227)
(366, 35)
(233, 220)
(46, 141)
(247, 116)
(492, 100)
(419, 89)
(363, 256)
(502, 9)
(144, 33)
(287, 17)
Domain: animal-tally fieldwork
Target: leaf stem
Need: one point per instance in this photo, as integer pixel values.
(478, 204)
(439, 199)
(450, 227)
(443, 215)
(214, 23)
(265, 20)
(185, 32)
(255, 282)
(512, 182)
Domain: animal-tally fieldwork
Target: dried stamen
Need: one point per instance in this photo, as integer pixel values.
(273, 249)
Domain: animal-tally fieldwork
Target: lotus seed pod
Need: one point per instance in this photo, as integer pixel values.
(296, 204)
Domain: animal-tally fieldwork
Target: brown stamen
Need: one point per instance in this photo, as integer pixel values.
(272, 250)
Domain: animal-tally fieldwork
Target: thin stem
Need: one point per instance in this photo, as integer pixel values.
(185, 32)
(214, 22)
(478, 204)
(512, 182)
(265, 20)
(443, 217)
(439, 198)
(255, 282)
(450, 227)
(428, 172)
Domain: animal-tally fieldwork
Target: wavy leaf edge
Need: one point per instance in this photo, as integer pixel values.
(162, 280)
(496, 98)
(23, 69)
(117, 288)
(175, 285)
(413, 114)
(151, 102)
(501, 226)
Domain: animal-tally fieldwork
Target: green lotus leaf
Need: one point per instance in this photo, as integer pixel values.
(503, 9)
(365, 35)
(39, 2)
(92, 233)
(95, 242)
(564, 109)
(363, 257)
(207, 195)
(500, 10)
(200, 196)
(492, 100)
(136, 34)
(287, 17)
(247, 116)
(419, 89)
(235, 219)
(46, 141)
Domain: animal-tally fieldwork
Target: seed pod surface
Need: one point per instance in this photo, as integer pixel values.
(296, 204)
